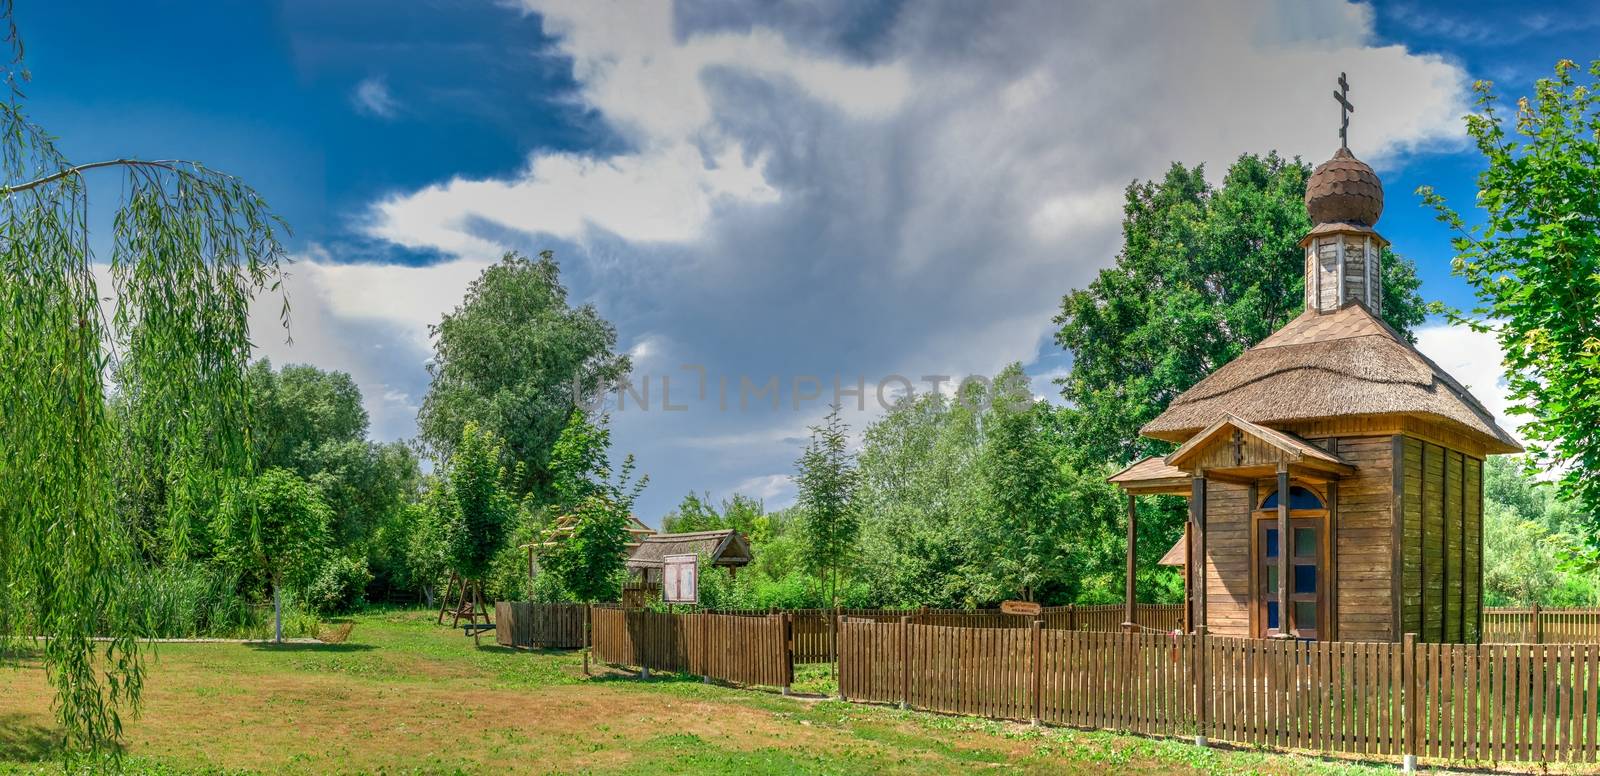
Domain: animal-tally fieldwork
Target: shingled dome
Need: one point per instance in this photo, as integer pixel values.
(1344, 190)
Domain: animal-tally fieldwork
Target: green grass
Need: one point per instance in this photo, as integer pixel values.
(406, 696)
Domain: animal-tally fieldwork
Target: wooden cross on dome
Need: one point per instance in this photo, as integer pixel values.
(1345, 109)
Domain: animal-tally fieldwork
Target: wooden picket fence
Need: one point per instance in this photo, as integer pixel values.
(1447, 702)
(731, 648)
(528, 625)
(1140, 683)
(1533, 625)
(815, 629)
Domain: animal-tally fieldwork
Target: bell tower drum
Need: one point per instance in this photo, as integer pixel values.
(1344, 254)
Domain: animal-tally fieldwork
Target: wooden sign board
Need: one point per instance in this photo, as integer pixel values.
(680, 579)
(1025, 608)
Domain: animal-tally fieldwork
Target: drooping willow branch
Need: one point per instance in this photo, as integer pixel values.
(190, 250)
(165, 164)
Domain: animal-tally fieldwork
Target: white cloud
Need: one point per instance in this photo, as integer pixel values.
(372, 97)
(916, 204)
(777, 490)
(666, 195)
(1476, 361)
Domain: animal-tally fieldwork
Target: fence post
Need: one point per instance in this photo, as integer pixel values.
(587, 610)
(834, 624)
(1038, 667)
(905, 662)
(788, 651)
(1408, 682)
(705, 650)
(1072, 617)
(1538, 625)
(1201, 666)
(838, 632)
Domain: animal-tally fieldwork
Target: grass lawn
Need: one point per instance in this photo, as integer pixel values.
(404, 695)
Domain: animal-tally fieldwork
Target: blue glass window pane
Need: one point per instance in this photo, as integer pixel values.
(1272, 614)
(1299, 498)
(1305, 579)
(1272, 542)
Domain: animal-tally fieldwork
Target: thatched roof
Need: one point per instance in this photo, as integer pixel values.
(1342, 364)
(726, 547)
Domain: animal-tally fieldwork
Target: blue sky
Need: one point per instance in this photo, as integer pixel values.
(821, 189)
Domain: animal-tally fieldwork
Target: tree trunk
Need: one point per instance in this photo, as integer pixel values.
(427, 594)
(277, 615)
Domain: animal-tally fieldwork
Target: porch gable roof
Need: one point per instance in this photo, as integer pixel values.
(1253, 445)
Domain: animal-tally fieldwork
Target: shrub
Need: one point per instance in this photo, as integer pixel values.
(340, 586)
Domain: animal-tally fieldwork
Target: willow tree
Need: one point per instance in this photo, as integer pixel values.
(189, 249)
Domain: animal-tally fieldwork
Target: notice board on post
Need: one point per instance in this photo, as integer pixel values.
(680, 579)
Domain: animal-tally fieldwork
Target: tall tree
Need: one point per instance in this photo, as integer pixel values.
(1204, 273)
(830, 522)
(516, 359)
(920, 494)
(277, 527)
(1534, 262)
(298, 410)
(587, 557)
(190, 248)
(480, 511)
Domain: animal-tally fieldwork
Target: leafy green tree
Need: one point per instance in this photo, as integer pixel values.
(920, 492)
(1534, 262)
(740, 512)
(1044, 510)
(189, 248)
(366, 484)
(298, 410)
(1529, 533)
(587, 558)
(517, 359)
(277, 527)
(1204, 273)
(426, 548)
(830, 522)
(480, 511)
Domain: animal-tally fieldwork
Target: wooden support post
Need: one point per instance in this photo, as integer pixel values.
(1201, 666)
(1408, 681)
(588, 612)
(1285, 550)
(1537, 624)
(444, 600)
(1072, 617)
(1038, 667)
(1196, 569)
(1128, 605)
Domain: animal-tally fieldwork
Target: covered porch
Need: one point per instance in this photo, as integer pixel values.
(1276, 563)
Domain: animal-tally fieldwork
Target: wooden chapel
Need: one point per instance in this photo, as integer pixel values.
(1334, 473)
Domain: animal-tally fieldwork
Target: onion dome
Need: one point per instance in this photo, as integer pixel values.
(1344, 190)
